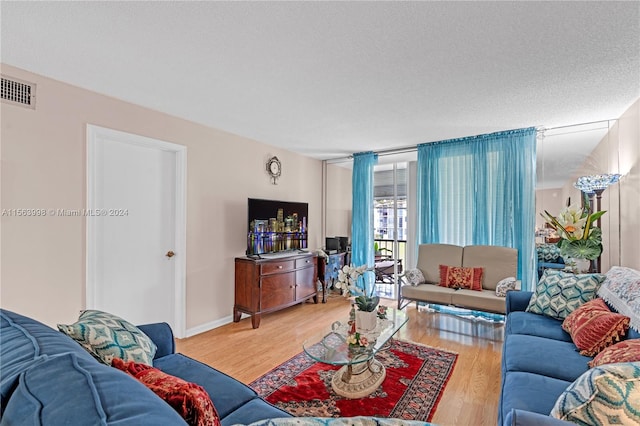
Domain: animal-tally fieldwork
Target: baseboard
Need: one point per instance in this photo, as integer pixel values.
(211, 325)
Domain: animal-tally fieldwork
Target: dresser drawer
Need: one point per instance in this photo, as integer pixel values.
(276, 267)
(307, 261)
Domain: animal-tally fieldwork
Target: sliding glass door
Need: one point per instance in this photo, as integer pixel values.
(390, 225)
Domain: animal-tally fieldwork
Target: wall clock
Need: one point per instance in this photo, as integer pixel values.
(274, 168)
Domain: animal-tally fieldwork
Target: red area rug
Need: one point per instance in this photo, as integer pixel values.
(416, 378)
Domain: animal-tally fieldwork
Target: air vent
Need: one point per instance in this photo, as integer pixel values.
(18, 92)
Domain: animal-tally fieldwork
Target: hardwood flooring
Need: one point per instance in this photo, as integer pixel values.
(470, 398)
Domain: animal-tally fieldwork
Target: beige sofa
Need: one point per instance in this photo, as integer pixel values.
(498, 263)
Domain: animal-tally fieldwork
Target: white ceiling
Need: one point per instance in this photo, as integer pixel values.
(327, 79)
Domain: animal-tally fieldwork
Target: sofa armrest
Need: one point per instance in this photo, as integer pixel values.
(162, 336)
(517, 300)
(528, 418)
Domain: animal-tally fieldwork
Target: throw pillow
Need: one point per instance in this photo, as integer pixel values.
(414, 276)
(548, 253)
(593, 327)
(624, 351)
(605, 395)
(505, 285)
(458, 277)
(190, 400)
(107, 336)
(559, 293)
(621, 290)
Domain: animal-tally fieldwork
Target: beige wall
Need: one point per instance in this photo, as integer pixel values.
(550, 200)
(617, 152)
(44, 166)
(338, 189)
(628, 137)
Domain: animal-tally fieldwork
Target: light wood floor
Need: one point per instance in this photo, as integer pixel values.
(470, 398)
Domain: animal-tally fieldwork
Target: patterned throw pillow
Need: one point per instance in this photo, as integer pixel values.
(624, 351)
(505, 285)
(548, 253)
(593, 327)
(107, 336)
(559, 293)
(190, 400)
(457, 277)
(414, 276)
(606, 395)
(621, 290)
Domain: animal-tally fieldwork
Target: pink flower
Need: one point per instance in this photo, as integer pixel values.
(364, 341)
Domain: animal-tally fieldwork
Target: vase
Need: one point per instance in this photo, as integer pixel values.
(366, 321)
(579, 266)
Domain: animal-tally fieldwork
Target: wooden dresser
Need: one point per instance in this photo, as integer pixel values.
(267, 285)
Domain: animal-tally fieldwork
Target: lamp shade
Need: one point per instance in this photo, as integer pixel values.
(595, 183)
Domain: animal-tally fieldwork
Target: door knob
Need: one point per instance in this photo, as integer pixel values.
(170, 254)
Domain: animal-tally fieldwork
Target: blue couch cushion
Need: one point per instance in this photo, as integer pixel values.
(25, 342)
(227, 394)
(547, 357)
(530, 392)
(536, 325)
(529, 418)
(252, 411)
(67, 389)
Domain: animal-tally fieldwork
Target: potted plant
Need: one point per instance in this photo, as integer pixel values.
(580, 241)
(366, 315)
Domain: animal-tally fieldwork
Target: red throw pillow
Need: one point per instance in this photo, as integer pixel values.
(624, 351)
(593, 326)
(190, 400)
(457, 277)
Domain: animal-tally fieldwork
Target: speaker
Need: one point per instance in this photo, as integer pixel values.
(344, 243)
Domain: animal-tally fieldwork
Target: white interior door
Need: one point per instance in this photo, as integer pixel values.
(135, 227)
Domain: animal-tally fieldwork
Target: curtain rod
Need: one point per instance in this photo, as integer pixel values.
(402, 150)
(543, 129)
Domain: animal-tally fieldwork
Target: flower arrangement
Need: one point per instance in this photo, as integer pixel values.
(348, 276)
(357, 340)
(579, 239)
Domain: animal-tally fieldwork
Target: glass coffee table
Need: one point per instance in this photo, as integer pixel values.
(361, 373)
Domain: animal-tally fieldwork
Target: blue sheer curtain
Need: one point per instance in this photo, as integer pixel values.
(481, 190)
(362, 220)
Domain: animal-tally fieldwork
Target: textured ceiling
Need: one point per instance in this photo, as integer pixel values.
(327, 79)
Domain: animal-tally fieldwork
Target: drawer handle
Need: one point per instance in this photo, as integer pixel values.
(279, 266)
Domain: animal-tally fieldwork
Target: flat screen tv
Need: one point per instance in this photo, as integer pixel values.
(276, 226)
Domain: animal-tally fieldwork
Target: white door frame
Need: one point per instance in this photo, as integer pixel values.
(94, 133)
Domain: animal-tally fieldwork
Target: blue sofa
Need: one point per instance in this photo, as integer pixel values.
(539, 361)
(47, 378)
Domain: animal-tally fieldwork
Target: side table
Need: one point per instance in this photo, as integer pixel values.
(328, 269)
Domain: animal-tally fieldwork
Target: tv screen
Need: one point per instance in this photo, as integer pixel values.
(276, 226)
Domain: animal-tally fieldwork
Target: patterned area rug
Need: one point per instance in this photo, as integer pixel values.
(416, 378)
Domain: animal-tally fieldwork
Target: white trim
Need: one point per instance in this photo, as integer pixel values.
(93, 134)
(202, 328)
